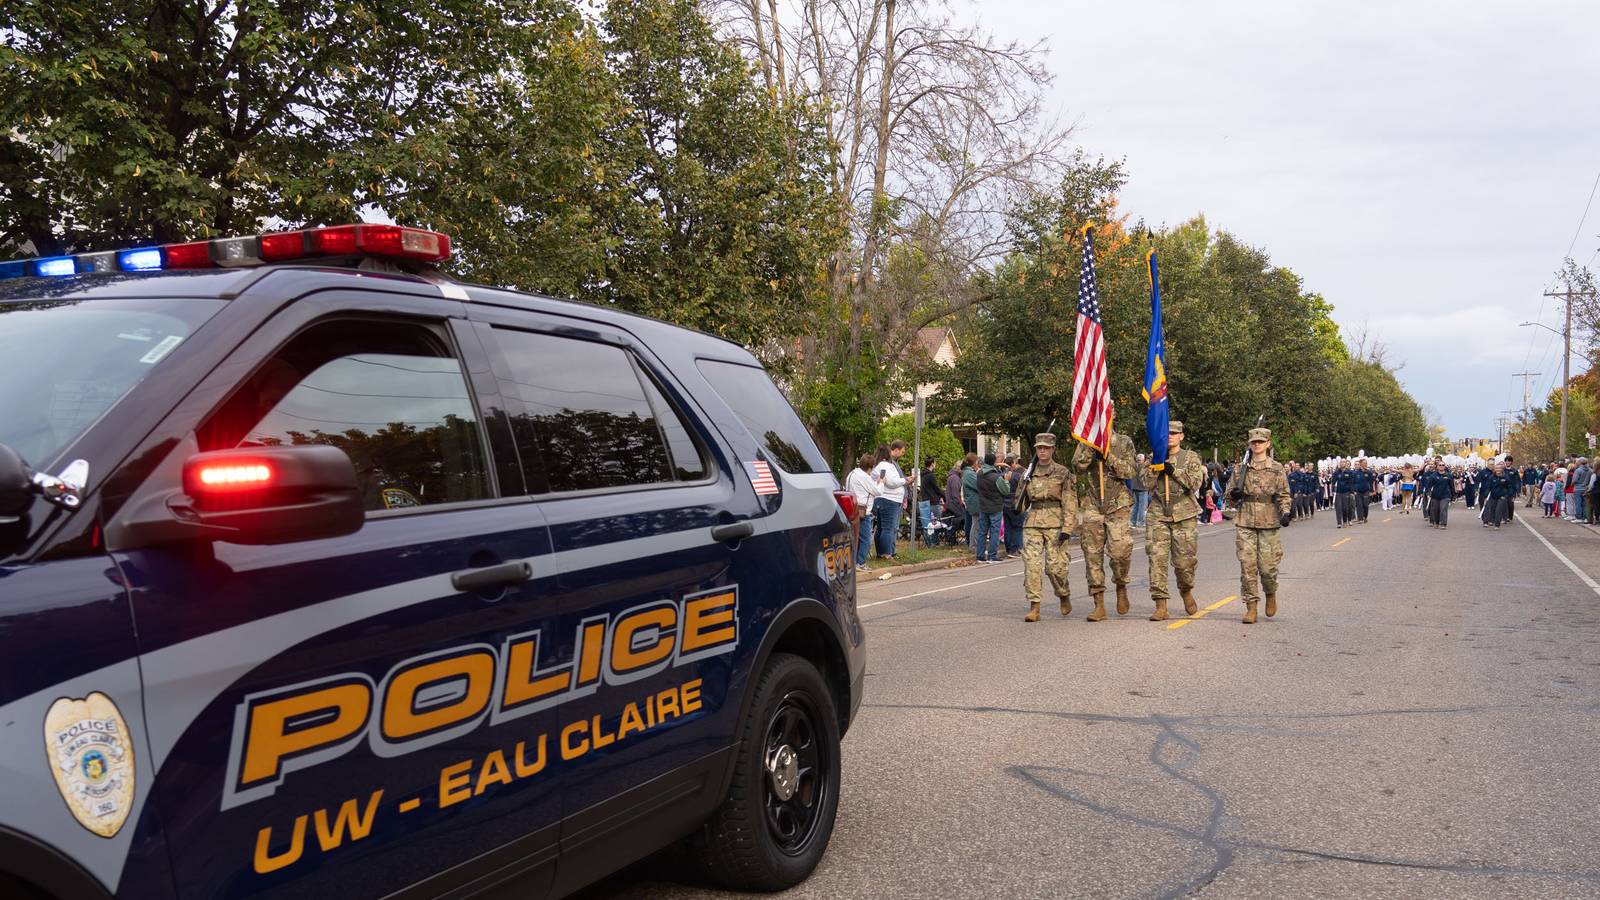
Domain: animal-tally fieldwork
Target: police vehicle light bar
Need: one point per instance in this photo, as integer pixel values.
(391, 241)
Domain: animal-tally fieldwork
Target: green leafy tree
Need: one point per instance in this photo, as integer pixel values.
(1015, 372)
(939, 443)
(1539, 438)
(155, 120)
(631, 162)
(1244, 338)
(725, 212)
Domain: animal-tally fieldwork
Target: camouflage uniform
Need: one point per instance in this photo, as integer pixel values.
(1266, 502)
(1171, 530)
(1052, 512)
(1104, 512)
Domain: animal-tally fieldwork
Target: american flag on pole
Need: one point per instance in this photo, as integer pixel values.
(1091, 389)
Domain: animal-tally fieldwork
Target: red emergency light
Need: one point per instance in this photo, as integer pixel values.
(234, 476)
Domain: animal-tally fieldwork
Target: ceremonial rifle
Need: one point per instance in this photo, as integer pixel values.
(1236, 487)
(1020, 502)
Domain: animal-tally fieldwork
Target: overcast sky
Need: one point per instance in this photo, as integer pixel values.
(1422, 165)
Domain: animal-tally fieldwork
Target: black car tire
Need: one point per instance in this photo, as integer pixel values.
(757, 841)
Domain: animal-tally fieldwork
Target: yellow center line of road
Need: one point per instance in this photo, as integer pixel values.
(1345, 541)
(1212, 608)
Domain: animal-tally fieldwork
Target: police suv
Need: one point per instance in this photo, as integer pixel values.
(324, 575)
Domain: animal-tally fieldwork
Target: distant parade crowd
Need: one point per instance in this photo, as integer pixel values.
(1567, 490)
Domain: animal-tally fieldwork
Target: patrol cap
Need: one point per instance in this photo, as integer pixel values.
(1261, 434)
(1174, 427)
(1044, 440)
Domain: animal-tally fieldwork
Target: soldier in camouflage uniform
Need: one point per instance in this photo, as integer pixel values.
(1052, 512)
(1263, 499)
(1171, 530)
(1104, 512)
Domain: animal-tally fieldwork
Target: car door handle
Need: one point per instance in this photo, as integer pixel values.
(733, 531)
(491, 576)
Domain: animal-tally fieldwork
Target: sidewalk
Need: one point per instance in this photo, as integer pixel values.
(884, 573)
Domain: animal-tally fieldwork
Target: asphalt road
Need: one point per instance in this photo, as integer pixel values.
(1420, 719)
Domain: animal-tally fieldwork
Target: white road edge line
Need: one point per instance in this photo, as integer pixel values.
(1562, 556)
(941, 590)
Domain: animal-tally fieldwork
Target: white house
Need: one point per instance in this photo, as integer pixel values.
(939, 344)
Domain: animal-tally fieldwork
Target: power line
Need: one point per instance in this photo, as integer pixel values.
(1579, 229)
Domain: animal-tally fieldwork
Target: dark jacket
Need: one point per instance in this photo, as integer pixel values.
(992, 490)
(1014, 518)
(952, 492)
(931, 488)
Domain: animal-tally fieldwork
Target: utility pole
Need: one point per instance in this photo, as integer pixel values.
(1566, 362)
(1525, 376)
(1507, 417)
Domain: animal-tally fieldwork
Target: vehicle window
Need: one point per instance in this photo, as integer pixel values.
(591, 418)
(64, 363)
(688, 463)
(762, 408)
(388, 394)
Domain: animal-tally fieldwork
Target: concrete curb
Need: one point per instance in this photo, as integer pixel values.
(960, 562)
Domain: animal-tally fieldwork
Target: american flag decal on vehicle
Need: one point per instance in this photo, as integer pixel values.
(761, 478)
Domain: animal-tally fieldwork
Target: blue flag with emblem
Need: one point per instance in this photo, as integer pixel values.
(1155, 374)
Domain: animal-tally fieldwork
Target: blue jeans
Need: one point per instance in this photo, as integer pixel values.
(1141, 502)
(887, 512)
(924, 516)
(864, 540)
(971, 528)
(1013, 538)
(988, 534)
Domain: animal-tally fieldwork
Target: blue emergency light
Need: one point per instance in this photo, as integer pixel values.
(55, 266)
(145, 259)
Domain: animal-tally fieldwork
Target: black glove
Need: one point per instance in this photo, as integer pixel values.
(1284, 520)
(1061, 537)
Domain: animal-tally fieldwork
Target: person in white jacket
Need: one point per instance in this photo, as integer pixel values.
(864, 487)
(892, 497)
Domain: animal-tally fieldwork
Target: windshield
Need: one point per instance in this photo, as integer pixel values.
(63, 363)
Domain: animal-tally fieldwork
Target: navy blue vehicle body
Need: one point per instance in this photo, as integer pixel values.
(333, 717)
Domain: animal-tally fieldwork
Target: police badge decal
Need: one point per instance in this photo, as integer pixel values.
(91, 758)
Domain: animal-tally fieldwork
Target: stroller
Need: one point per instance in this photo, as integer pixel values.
(942, 528)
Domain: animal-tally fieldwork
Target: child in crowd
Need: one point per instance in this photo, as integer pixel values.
(1548, 494)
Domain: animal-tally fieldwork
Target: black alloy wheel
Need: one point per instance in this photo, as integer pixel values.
(774, 825)
(797, 773)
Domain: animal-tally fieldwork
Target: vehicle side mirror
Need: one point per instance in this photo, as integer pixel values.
(16, 484)
(266, 495)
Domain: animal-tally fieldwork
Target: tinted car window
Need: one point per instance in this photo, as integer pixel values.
(590, 417)
(762, 408)
(688, 462)
(389, 395)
